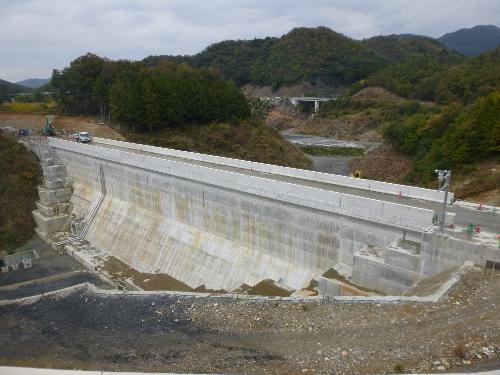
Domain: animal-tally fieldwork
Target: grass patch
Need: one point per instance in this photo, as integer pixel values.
(399, 368)
(35, 107)
(20, 174)
(305, 307)
(248, 140)
(333, 151)
(460, 351)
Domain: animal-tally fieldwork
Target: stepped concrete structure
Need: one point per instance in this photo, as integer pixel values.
(221, 223)
(54, 209)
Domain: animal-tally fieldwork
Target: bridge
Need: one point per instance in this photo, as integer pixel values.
(220, 222)
(297, 99)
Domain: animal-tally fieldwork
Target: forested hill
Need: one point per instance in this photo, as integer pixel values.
(425, 79)
(8, 88)
(145, 98)
(473, 41)
(310, 54)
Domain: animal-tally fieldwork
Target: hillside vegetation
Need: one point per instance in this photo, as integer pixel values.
(171, 105)
(309, 54)
(20, 173)
(8, 88)
(249, 140)
(144, 98)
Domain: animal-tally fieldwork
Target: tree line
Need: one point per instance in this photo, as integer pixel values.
(146, 98)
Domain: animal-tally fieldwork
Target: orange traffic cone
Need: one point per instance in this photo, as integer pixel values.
(478, 228)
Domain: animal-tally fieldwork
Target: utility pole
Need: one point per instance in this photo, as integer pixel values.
(444, 177)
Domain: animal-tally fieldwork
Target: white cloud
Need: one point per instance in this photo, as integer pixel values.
(37, 35)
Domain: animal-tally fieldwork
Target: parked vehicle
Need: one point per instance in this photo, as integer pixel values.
(83, 137)
(23, 132)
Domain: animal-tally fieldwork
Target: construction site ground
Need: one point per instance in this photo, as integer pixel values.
(172, 333)
(65, 124)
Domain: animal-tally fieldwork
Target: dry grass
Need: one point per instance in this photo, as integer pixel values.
(28, 107)
(248, 140)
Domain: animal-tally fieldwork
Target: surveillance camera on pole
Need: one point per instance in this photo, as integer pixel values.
(444, 177)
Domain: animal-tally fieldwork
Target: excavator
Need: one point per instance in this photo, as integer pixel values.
(48, 128)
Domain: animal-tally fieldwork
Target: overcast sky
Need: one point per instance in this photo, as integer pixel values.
(37, 36)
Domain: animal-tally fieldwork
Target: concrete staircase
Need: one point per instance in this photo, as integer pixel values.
(391, 269)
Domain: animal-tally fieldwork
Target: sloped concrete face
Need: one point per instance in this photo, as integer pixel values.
(206, 235)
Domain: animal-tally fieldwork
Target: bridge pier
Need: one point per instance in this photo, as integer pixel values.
(316, 106)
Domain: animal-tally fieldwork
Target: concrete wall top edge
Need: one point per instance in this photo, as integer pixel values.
(379, 186)
(399, 215)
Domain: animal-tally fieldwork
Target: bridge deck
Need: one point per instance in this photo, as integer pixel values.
(464, 216)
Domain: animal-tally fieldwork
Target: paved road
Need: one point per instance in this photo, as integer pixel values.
(464, 216)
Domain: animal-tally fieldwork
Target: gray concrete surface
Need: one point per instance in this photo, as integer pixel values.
(464, 216)
(227, 225)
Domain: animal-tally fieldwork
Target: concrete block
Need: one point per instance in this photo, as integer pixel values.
(370, 271)
(50, 197)
(328, 287)
(441, 252)
(50, 161)
(401, 258)
(27, 264)
(51, 224)
(53, 172)
(58, 183)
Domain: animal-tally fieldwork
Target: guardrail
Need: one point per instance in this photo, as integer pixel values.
(357, 183)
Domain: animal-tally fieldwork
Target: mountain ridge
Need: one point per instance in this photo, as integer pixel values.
(473, 41)
(33, 83)
(308, 54)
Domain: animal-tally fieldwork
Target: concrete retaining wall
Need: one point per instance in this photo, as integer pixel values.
(183, 220)
(440, 252)
(383, 187)
(405, 217)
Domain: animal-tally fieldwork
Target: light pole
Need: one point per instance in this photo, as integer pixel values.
(444, 177)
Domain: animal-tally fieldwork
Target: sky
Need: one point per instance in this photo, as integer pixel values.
(37, 36)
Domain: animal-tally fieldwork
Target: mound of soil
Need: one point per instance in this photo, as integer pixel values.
(378, 94)
(383, 164)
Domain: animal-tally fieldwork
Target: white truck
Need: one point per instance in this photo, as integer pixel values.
(83, 137)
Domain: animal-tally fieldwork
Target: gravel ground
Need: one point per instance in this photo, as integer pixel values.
(180, 334)
(50, 263)
(49, 284)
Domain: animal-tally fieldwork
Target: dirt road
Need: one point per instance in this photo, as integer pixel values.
(64, 124)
